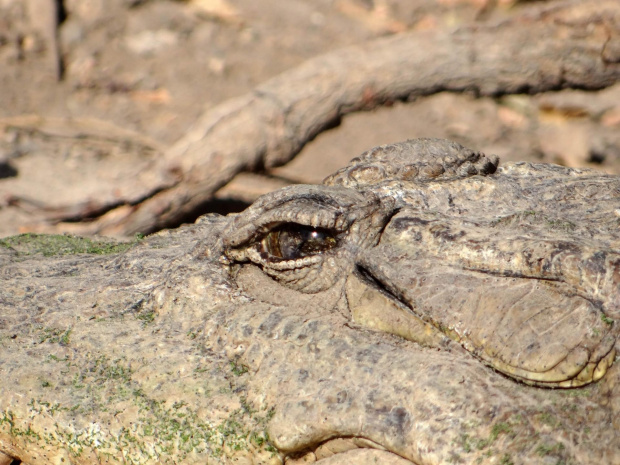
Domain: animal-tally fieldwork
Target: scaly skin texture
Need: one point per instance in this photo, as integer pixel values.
(423, 306)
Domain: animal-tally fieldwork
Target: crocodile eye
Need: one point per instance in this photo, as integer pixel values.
(292, 241)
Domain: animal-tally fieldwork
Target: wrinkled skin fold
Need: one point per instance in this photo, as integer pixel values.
(425, 305)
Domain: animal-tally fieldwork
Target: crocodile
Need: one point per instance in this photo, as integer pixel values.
(423, 305)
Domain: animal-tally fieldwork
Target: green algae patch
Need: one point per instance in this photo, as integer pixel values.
(63, 244)
(54, 335)
(483, 447)
(112, 418)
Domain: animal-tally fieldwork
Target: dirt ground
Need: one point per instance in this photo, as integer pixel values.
(92, 90)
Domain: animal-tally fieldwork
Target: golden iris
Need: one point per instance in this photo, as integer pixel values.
(292, 241)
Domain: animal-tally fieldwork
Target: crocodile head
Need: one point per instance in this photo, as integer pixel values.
(428, 240)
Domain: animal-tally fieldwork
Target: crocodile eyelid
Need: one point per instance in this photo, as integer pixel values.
(320, 218)
(315, 206)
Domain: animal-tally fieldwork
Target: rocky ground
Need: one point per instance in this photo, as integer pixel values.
(131, 76)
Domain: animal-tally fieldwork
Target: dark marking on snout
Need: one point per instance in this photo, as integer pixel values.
(597, 262)
(446, 234)
(404, 223)
(270, 324)
(399, 419)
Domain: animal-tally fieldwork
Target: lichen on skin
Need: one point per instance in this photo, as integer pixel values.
(163, 430)
(63, 244)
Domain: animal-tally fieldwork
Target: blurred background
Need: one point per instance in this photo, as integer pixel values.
(93, 90)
